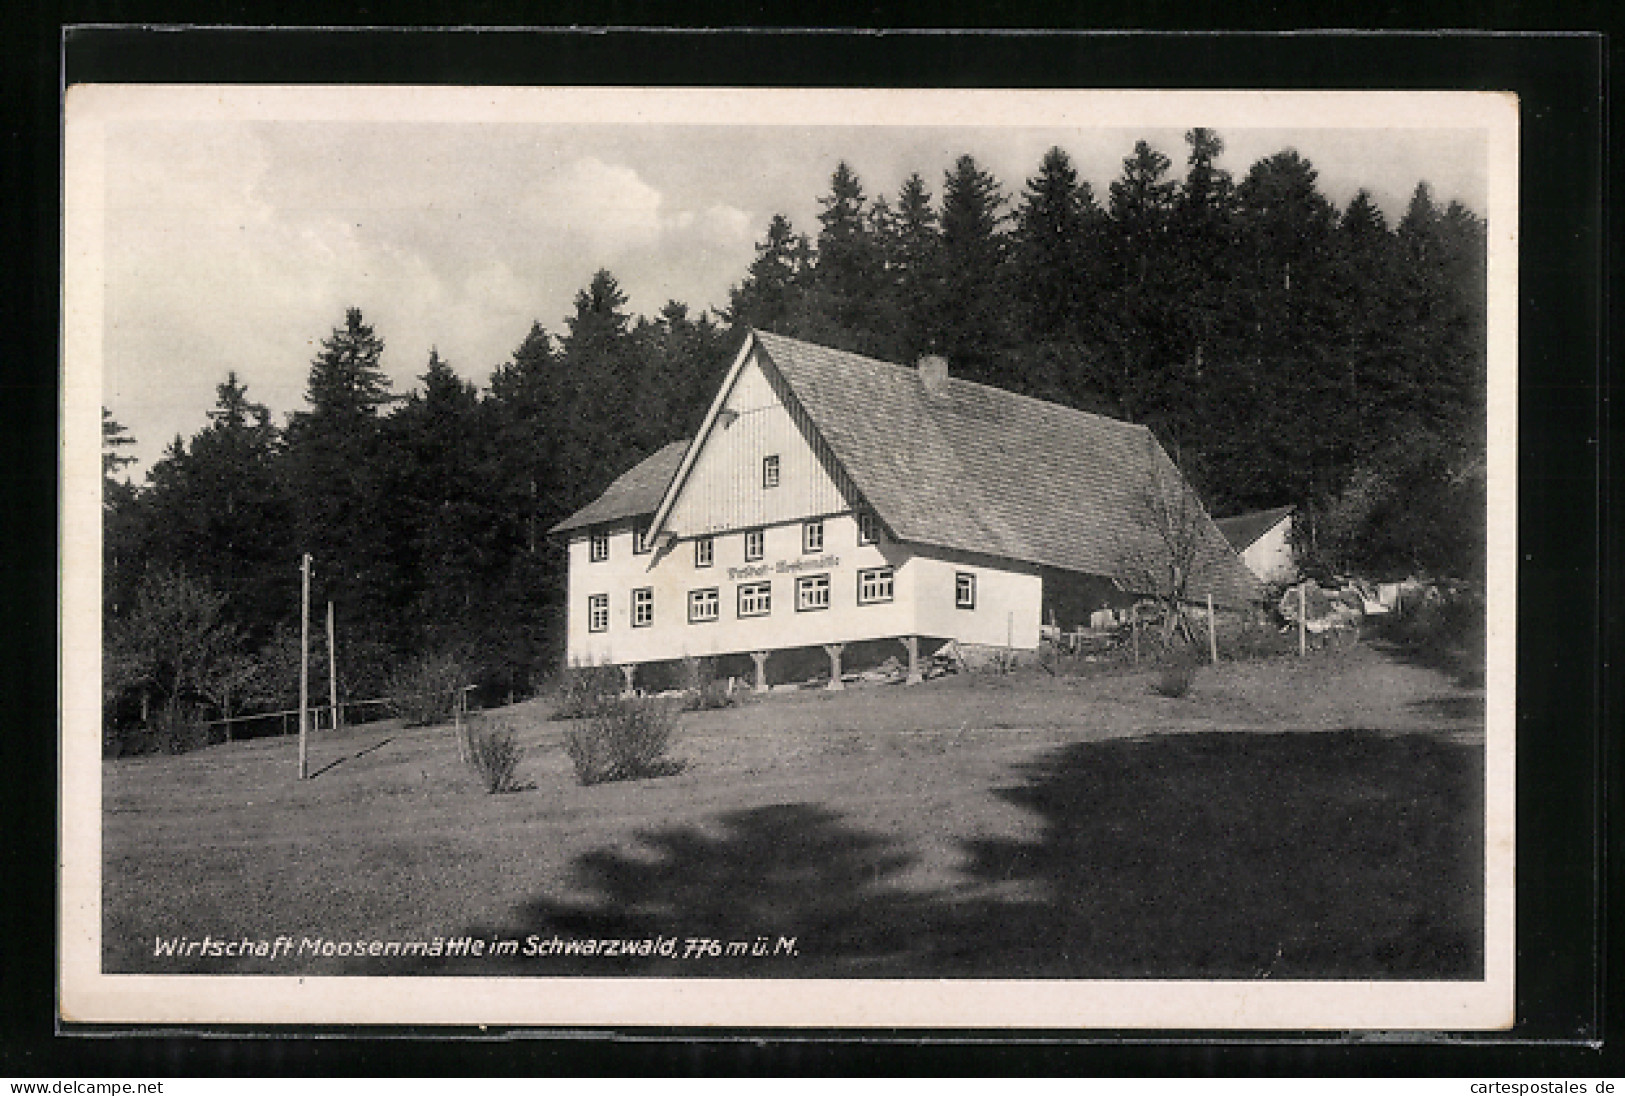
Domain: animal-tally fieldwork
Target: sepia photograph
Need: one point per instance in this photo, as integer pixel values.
(794, 557)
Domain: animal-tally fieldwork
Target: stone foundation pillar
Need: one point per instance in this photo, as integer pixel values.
(833, 650)
(628, 671)
(760, 658)
(914, 674)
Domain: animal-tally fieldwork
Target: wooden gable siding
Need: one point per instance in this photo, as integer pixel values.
(724, 492)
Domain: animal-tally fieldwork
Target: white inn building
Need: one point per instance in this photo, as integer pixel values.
(830, 498)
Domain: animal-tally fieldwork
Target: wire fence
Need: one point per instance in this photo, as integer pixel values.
(327, 717)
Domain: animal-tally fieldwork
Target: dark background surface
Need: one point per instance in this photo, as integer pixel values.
(1565, 605)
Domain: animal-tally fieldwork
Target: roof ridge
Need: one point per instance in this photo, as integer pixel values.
(913, 371)
(1010, 394)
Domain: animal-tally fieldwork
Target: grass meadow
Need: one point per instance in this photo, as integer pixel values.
(1287, 818)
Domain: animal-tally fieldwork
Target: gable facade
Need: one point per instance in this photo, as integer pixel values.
(1270, 556)
(764, 544)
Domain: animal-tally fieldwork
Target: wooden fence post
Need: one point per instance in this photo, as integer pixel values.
(1303, 622)
(332, 671)
(1212, 635)
(457, 726)
(304, 661)
(1134, 629)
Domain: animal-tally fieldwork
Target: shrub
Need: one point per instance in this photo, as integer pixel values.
(702, 692)
(425, 690)
(625, 739)
(170, 732)
(712, 697)
(583, 690)
(1256, 640)
(1176, 675)
(1444, 630)
(494, 752)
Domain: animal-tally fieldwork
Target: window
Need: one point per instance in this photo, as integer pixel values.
(753, 545)
(868, 528)
(600, 546)
(704, 552)
(965, 590)
(812, 592)
(875, 585)
(755, 599)
(812, 536)
(770, 471)
(598, 613)
(703, 605)
(640, 541)
(643, 607)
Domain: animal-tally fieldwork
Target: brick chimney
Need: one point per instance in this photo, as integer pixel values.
(934, 373)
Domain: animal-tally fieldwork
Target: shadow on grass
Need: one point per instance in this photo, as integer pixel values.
(337, 761)
(1352, 854)
(789, 871)
(1451, 707)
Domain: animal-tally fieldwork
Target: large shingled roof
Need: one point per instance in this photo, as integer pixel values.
(979, 469)
(972, 468)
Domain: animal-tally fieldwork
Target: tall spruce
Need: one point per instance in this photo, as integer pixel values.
(1056, 272)
(444, 512)
(974, 304)
(912, 285)
(770, 296)
(1135, 332)
(336, 464)
(1052, 228)
(847, 269)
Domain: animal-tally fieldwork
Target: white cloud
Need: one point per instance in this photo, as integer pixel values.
(606, 207)
(726, 223)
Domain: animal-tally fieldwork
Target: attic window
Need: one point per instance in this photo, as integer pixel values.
(753, 545)
(640, 541)
(868, 528)
(770, 471)
(599, 549)
(704, 552)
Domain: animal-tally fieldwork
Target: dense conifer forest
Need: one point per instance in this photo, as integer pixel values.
(1286, 350)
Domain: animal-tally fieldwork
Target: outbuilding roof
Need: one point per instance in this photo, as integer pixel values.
(1242, 530)
(972, 468)
(634, 493)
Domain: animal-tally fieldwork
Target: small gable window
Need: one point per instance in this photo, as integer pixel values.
(599, 551)
(770, 471)
(704, 552)
(640, 541)
(753, 545)
(965, 590)
(868, 528)
(812, 536)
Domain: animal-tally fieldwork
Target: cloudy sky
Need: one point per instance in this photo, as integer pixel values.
(237, 242)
